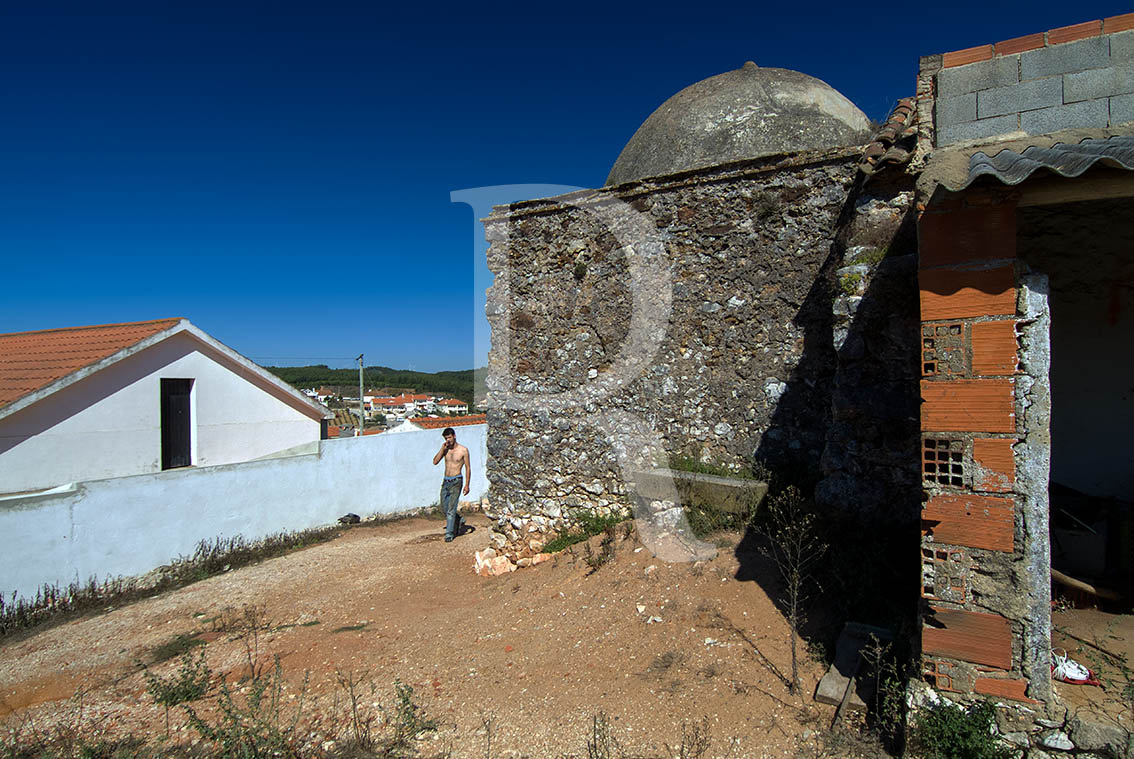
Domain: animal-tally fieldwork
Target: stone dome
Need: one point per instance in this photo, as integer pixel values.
(746, 113)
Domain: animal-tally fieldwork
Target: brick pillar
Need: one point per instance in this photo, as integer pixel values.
(974, 622)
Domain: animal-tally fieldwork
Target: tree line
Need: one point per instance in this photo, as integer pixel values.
(452, 384)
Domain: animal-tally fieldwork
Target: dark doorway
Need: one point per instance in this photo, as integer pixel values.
(1084, 250)
(176, 423)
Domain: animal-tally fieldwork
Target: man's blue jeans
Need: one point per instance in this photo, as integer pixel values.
(450, 494)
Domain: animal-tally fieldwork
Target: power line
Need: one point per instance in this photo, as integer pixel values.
(303, 358)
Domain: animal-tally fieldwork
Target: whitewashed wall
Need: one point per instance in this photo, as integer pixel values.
(109, 424)
(130, 525)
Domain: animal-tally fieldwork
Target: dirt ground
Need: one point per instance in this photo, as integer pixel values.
(517, 665)
(1102, 642)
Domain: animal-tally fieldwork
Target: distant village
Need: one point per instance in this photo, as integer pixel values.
(389, 409)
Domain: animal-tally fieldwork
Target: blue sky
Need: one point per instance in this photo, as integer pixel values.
(280, 173)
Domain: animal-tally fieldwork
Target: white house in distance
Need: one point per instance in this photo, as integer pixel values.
(90, 403)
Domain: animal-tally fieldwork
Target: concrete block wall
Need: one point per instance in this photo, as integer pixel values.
(978, 619)
(1079, 76)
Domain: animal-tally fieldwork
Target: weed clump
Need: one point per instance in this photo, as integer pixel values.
(189, 684)
(53, 603)
(254, 723)
(587, 524)
(696, 740)
(696, 466)
(947, 731)
(706, 519)
(605, 553)
(795, 546)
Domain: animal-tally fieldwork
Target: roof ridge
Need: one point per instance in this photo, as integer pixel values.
(171, 319)
(895, 140)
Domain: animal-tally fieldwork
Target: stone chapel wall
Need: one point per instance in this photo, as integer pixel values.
(743, 365)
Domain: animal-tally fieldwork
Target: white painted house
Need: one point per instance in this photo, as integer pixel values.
(90, 403)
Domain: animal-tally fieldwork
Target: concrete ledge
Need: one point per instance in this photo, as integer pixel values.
(731, 494)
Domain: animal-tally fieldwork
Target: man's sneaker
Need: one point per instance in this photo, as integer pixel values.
(448, 538)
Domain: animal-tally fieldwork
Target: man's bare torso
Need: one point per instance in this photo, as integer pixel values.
(455, 459)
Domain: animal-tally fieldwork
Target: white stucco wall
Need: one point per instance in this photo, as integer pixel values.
(130, 525)
(109, 424)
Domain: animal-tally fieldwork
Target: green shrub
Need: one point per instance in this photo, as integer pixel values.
(946, 731)
(849, 283)
(408, 719)
(705, 520)
(254, 723)
(586, 524)
(871, 255)
(605, 552)
(189, 684)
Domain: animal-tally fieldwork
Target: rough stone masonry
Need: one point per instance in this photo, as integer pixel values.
(714, 311)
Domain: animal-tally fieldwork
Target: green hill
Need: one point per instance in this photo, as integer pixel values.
(453, 384)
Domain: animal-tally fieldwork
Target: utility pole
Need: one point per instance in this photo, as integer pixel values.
(361, 410)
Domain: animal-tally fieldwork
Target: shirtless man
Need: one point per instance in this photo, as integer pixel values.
(456, 456)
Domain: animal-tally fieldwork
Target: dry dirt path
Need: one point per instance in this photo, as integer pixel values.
(534, 654)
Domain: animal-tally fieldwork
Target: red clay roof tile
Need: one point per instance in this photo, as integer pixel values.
(451, 421)
(895, 141)
(30, 361)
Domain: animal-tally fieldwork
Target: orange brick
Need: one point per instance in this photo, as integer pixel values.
(984, 405)
(994, 348)
(1122, 23)
(1019, 44)
(970, 636)
(996, 464)
(1013, 689)
(976, 521)
(965, 236)
(958, 294)
(968, 55)
(1074, 32)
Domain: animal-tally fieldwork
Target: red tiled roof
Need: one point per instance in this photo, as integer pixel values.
(401, 400)
(442, 422)
(895, 141)
(30, 361)
(451, 402)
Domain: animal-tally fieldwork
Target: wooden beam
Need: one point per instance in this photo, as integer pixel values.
(1094, 185)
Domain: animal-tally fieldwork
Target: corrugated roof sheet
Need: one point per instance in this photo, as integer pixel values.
(30, 361)
(1063, 159)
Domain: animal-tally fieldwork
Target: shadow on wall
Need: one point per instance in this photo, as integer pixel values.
(846, 428)
(89, 391)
